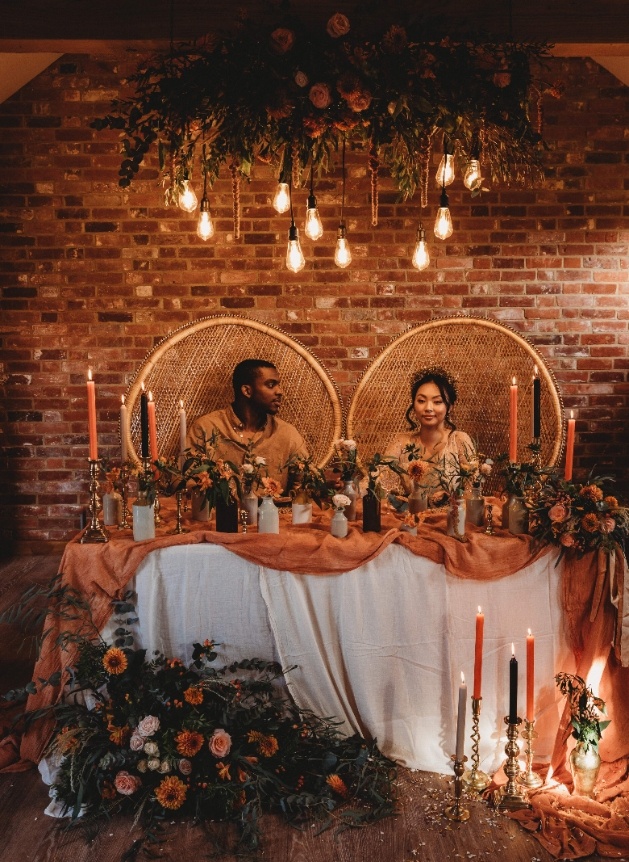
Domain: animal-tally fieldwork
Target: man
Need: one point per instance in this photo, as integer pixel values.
(252, 419)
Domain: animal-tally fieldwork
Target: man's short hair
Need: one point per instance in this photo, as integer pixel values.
(246, 372)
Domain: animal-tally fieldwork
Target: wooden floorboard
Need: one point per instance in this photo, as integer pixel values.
(419, 833)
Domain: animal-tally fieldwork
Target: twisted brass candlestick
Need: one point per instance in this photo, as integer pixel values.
(474, 778)
(124, 479)
(489, 517)
(244, 519)
(178, 528)
(456, 811)
(509, 796)
(94, 532)
(529, 779)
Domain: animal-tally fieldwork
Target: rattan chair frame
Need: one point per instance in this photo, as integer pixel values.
(483, 355)
(194, 364)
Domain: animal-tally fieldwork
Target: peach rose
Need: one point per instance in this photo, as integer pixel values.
(558, 512)
(338, 25)
(282, 40)
(220, 743)
(567, 540)
(320, 96)
(301, 79)
(126, 784)
(148, 726)
(185, 766)
(608, 525)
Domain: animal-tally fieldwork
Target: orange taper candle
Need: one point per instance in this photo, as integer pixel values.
(152, 428)
(513, 422)
(91, 416)
(530, 677)
(569, 449)
(478, 654)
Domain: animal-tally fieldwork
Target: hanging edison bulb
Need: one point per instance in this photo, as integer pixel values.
(187, 199)
(281, 201)
(421, 258)
(473, 178)
(295, 260)
(205, 225)
(445, 171)
(314, 227)
(443, 222)
(342, 253)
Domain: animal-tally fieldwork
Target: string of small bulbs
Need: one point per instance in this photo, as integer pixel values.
(313, 228)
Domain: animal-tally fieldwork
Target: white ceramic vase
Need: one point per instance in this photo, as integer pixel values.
(268, 516)
(143, 522)
(250, 503)
(338, 524)
(302, 513)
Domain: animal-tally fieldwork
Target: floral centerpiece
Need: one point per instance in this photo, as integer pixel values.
(344, 459)
(252, 470)
(586, 710)
(216, 479)
(579, 517)
(161, 738)
(306, 481)
(376, 468)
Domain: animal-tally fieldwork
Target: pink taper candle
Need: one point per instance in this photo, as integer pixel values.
(91, 416)
(530, 677)
(513, 422)
(478, 654)
(152, 428)
(569, 449)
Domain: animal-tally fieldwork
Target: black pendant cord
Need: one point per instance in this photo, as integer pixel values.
(343, 182)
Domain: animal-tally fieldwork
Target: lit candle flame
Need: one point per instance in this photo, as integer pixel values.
(142, 385)
(181, 404)
(572, 414)
(462, 678)
(479, 610)
(150, 396)
(535, 372)
(530, 633)
(513, 382)
(122, 399)
(89, 373)
(513, 650)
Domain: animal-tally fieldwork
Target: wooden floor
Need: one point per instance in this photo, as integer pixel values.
(419, 832)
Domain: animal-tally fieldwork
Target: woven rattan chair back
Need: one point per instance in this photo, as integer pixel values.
(194, 364)
(483, 356)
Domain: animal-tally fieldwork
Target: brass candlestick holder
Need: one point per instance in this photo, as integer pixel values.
(529, 779)
(244, 519)
(124, 481)
(474, 778)
(456, 811)
(489, 519)
(178, 528)
(94, 532)
(509, 796)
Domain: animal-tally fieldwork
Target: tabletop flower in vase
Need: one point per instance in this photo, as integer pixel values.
(307, 483)
(216, 481)
(338, 525)
(143, 505)
(252, 470)
(417, 470)
(521, 481)
(410, 522)
(111, 489)
(579, 518)
(344, 462)
(586, 711)
(377, 468)
(268, 513)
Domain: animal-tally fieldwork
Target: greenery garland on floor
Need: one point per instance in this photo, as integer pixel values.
(157, 738)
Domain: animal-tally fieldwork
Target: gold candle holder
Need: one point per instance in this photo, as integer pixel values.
(94, 532)
(244, 519)
(456, 811)
(529, 779)
(124, 479)
(474, 778)
(509, 796)
(489, 519)
(178, 528)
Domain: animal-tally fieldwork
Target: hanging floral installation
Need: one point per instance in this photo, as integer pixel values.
(287, 95)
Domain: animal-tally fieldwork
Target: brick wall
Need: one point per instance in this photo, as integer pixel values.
(92, 274)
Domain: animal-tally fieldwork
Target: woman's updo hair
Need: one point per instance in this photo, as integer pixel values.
(445, 384)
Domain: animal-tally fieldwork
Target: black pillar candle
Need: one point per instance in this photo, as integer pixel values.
(144, 424)
(537, 418)
(513, 689)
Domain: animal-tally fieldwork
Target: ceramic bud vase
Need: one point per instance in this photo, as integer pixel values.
(585, 763)
(338, 524)
(371, 513)
(268, 516)
(475, 508)
(518, 516)
(456, 518)
(417, 500)
(226, 515)
(250, 503)
(143, 520)
(200, 511)
(302, 509)
(112, 509)
(349, 490)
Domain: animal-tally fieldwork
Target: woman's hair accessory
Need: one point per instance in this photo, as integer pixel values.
(434, 371)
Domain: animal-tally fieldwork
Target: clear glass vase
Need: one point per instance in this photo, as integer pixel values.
(349, 489)
(112, 508)
(268, 516)
(456, 518)
(250, 503)
(585, 762)
(199, 508)
(475, 508)
(518, 516)
(417, 500)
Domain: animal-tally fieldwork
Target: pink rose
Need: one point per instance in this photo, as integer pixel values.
(558, 512)
(126, 784)
(338, 25)
(567, 540)
(301, 79)
(220, 743)
(136, 743)
(320, 96)
(282, 40)
(148, 726)
(185, 766)
(485, 468)
(608, 525)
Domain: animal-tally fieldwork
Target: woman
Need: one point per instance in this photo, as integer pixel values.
(435, 444)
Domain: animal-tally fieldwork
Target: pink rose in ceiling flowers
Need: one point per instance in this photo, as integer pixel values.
(338, 25)
(320, 95)
(282, 40)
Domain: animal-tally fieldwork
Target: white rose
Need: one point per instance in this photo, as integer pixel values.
(164, 766)
(259, 461)
(151, 748)
(350, 445)
(248, 468)
(154, 764)
(142, 765)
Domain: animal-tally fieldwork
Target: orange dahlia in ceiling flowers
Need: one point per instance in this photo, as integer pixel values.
(576, 517)
(206, 741)
(284, 91)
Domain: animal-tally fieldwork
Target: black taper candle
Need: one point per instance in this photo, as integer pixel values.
(513, 689)
(537, 393)
(144, 424)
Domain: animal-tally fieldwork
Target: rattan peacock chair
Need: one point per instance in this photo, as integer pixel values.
(194, 364)
(483, 356)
